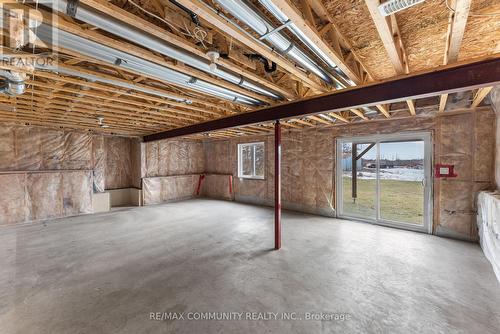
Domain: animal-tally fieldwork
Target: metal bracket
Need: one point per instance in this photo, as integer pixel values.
(285, 52)
(72, 7)
(242, 80)
(275, 30)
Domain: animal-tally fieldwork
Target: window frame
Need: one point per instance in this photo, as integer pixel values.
(240, 161)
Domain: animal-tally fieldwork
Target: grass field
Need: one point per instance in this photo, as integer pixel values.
(400, 200)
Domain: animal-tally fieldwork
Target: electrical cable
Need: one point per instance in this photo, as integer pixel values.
(198, 34)
(157, 17)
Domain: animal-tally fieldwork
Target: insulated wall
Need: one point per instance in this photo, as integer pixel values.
(466, 140)
(49, 173)
(488, 222)
(30, 196)
(122, 168)
(24, 148)
(173, 157)
(171, 170)
(495, 102)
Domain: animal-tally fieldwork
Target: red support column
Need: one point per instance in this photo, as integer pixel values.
(277, 185)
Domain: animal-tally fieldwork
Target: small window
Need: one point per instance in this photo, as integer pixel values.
(251, 159)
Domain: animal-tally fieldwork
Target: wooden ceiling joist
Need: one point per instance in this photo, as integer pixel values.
(389, 33)
(152, 29)
(411, 107)
(71, 101)
(24, 113)
(147, 55)
(455, 34)
(38, 100)
(210, 15)
(96, 98)
(359, 113)
(451, 79)
(480, 95)
(309, 29)
(391, 38)
(384, 110)
(339, 117)
(36, 104)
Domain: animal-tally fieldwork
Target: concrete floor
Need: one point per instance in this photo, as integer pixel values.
(106, 273)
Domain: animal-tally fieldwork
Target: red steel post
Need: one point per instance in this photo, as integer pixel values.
(277, 185)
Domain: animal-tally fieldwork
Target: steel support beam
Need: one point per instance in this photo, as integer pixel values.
(277, 185)
(354, 171)
(449, 79)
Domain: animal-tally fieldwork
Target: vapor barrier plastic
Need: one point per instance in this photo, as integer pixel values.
(31, 196)
(174, 157)
(99, 162)
(118, 163)
(488, 223)
(33, 148)
(218, 186)
(169, 188)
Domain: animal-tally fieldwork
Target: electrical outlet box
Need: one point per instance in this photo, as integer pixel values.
(443, 170)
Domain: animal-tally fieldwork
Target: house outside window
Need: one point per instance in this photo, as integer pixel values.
(251, 161)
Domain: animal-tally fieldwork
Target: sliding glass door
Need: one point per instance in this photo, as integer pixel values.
(386, 180)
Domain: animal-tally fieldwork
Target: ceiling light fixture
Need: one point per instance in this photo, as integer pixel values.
(100, 119)
(392, 6)
(213, 56)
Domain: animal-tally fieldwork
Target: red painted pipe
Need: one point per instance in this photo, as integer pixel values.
(277, 185)
(200, 180)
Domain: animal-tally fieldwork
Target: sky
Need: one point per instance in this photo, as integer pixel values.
(400, 150)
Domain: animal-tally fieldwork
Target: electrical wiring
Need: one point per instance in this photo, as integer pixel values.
(157, 17)
(198, 34)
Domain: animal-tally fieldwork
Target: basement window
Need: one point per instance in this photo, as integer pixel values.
(251, 160)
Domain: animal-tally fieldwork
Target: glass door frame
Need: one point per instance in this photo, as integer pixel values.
(426, 137)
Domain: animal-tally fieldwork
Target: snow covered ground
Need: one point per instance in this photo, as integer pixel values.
(402, 174)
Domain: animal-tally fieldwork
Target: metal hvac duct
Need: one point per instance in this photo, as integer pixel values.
(136, 64)
(95, 78)
(342, 80)
(273, 9)
(250, 17)
(128, 32)
(11, 83)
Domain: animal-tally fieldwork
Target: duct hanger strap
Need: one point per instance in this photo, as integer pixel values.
(242, 80)
(275, 30)
(72, 7)
(290, 47)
